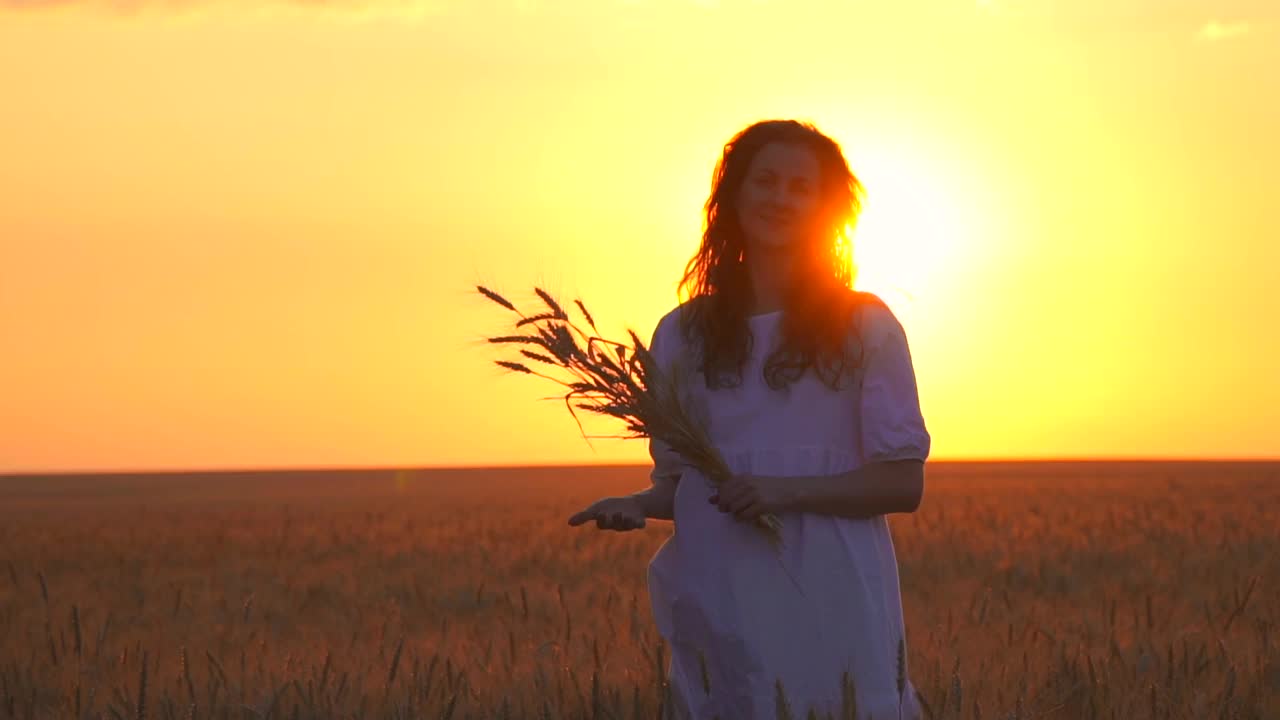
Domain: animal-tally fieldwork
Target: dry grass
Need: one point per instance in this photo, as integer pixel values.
(1071, 591)
(633, 388)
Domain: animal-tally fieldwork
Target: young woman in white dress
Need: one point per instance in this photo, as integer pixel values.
(810, 395)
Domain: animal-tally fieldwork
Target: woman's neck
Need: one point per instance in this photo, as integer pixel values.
(769, 270)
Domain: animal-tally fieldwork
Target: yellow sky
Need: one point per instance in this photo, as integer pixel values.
(238, 234)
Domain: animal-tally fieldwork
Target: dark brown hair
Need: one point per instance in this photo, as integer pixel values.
(817, 319)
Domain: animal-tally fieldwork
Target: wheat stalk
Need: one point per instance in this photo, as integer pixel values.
(632, 388)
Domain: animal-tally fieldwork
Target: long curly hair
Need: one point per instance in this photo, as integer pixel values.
(818, 329)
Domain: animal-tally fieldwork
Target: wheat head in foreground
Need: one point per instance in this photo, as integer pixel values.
(631, 388)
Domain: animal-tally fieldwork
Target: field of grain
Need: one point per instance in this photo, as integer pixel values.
(1054, 590)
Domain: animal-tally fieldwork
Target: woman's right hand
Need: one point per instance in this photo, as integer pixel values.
(612, 513)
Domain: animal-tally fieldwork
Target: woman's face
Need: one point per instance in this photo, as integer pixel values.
(779, 196)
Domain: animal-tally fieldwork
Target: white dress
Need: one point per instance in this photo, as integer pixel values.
(716, 585)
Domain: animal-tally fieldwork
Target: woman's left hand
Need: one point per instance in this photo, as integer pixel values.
(750, 496)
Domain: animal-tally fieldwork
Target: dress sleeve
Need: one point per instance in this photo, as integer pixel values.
(893, 427)
(668, 465)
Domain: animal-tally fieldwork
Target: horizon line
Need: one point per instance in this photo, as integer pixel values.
(228, 470)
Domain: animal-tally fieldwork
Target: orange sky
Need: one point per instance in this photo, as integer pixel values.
(239, 234)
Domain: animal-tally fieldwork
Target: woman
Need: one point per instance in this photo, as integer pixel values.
(810, 395)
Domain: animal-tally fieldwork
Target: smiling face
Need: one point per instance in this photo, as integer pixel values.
(779, 196)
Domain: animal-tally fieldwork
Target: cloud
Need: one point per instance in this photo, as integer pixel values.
(1214, 30)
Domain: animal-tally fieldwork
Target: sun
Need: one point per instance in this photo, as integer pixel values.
(908, 233)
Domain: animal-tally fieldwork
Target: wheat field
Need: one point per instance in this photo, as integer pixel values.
(1031, 590)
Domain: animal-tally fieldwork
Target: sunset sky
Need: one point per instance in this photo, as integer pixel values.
(240, 234)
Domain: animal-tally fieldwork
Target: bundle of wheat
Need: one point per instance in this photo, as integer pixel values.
(633, 388)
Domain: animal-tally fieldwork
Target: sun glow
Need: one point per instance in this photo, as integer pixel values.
(907, 233)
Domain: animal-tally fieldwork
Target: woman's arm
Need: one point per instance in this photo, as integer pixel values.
(659, 500)
(877, 488)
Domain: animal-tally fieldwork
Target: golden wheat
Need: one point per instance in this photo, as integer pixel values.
(1056, 591)
(633, 389)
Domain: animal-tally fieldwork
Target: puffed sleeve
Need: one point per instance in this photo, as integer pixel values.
(668, 465)
(893, 427)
